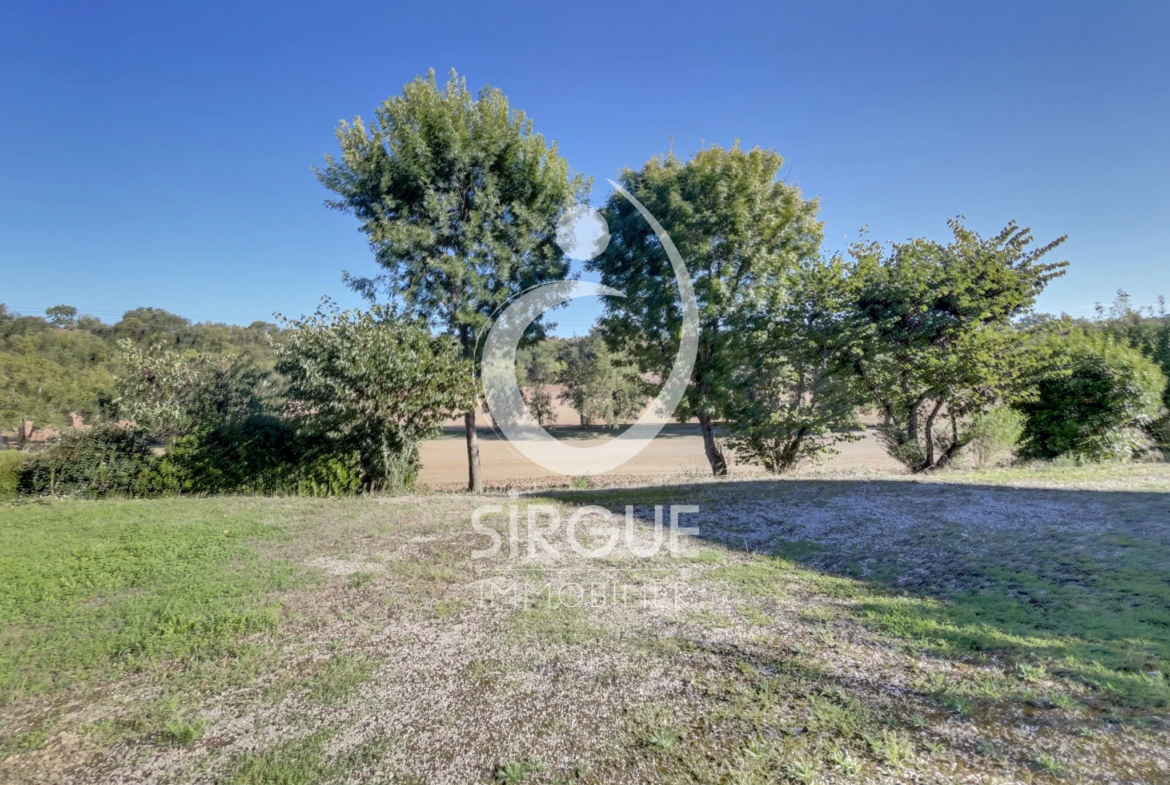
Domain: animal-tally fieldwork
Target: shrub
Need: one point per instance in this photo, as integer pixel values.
(10, 461)
(993, 434)
(265, 455)
(103, 461)
(372, 385)
(1091, 400)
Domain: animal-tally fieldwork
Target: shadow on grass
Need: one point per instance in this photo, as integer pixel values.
(1050, 585)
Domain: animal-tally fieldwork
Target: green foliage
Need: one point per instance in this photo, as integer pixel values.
(739, 228)
(10, 463)
(1095, 393)
(993, 433)
(538, 367)
(933, 342)
(62, 315)
(97, 463)
(172, 392)
(459, 198)
(182, 730)
(1148, 330)
(793, 402)
(372, 384)
(48, 375)
(263, 455)
(52, 369)
(599, 384)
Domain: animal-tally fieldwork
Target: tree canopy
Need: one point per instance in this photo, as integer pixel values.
(933, 344)
(459, 197)
(738, 227)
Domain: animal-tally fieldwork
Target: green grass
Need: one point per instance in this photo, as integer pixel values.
(92, 589)
(1102, 621)
(520, 770)
(1106, 625)
(549, 618)
(338, 679)
(304, 762)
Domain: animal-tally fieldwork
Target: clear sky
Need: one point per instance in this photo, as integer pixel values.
(158, 155)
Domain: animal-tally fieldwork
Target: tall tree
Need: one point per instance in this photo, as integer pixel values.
(458, 197)
(62, 315)
(738, 227)
(935, 346)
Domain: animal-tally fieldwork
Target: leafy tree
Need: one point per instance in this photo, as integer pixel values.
(599, 384)
(794, 400)
(62, 315)
(1148, 330)
(738, 228)
(162, 390)
(458, 197)
(540, 367)
(372, 383)
(1095, 392)
(934, 345)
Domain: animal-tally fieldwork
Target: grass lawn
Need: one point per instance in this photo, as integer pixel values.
(1008, 626)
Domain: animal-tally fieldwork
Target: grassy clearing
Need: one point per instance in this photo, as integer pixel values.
(819, 631)
(1104, 623)
(100, 588)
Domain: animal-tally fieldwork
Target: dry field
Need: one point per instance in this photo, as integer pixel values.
(1007, 626)
(677, 452)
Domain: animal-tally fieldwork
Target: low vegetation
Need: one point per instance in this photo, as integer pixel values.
(1009, 624)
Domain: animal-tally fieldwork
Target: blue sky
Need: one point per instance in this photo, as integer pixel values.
(160, 155)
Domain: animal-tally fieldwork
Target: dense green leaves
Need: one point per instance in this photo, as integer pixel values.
(599, 384)
(374, 384)
(795, 399)
(171, 392)
(96, 463)
(52, 369)
(1095, 393)
(933, 344)
(459, 198)
(738, 228)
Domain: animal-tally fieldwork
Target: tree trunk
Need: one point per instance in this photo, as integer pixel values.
(474, 472)
(714, 454)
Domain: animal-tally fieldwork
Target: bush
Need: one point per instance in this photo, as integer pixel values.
(264, 455)
(10, 462)
(1093, 399)
(369, 386)
(993, 434)
(95, 463)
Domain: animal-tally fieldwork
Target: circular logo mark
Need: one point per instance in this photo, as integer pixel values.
(582, 233)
